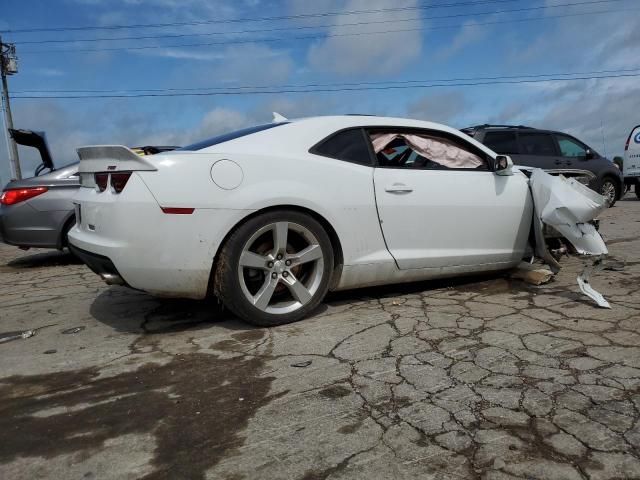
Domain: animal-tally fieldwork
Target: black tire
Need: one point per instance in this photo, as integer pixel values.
(227, 283)
(637, 190)
(64, 236)
(607, 184)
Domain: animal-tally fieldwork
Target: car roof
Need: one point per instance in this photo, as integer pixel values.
(299, 135)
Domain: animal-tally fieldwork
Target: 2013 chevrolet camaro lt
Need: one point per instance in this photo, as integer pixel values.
(270, 218)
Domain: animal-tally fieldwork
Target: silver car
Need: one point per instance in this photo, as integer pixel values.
(39, 211)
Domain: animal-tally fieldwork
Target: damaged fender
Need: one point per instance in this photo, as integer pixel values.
(569, 207)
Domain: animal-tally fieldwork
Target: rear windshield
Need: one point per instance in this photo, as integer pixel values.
(225, 137)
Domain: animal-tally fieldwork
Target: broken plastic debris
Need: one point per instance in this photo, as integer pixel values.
(21, 334)
(535, 275)
(72, 331)
(11, 336)
(585, 285)
(302, 364)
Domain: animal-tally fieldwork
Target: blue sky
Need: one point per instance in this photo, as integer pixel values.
(492, 39)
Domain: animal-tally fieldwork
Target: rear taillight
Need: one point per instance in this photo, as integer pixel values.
(119, 180)
(17, 195)
(102, 180)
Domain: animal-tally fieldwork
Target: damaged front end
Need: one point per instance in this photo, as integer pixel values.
(568, 207)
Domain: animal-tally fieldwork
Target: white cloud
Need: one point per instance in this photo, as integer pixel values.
(372, 54)
(589, 110)
(220, 120)
(254, 64)
(470, 32)
(441, 107)
(48, 72)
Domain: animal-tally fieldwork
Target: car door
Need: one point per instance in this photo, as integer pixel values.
(572, 152)
(439, 218)
(538, 149)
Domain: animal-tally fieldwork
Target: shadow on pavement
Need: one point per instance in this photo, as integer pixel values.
(53, 258)
(136, 312)
(130, 311)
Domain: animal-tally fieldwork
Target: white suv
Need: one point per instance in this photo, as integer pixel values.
(631, 168)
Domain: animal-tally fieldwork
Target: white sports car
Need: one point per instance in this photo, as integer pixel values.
(270, 218)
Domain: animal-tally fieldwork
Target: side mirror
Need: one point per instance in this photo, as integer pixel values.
(589, 154)
(503, 165)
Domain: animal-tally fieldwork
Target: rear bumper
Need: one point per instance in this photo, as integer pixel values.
(128, 236)
(100, 265)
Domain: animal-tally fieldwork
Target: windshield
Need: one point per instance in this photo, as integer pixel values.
(225, 137)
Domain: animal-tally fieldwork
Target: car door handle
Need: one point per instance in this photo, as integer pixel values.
(562, 162)
(398, 188)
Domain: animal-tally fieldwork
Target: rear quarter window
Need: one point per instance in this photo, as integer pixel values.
(347, 145)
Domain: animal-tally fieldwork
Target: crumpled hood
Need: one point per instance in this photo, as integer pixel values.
(568, 206)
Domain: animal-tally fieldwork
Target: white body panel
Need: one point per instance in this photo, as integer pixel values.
(442, 218)
(469, 221)
(632, 156)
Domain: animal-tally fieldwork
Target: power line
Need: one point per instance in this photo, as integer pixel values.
(306, 27)
(329, 90)
(258, 19)
(329, 35)
(341, 84)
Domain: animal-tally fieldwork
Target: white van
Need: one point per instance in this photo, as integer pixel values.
(631, 169)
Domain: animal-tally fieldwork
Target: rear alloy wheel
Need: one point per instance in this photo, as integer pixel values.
(608, 189)
(275, 268)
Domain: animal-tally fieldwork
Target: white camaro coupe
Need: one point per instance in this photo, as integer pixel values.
(270, 218)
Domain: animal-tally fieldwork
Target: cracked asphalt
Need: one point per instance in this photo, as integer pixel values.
(484, 378)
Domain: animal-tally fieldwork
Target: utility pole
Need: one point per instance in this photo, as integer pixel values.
(9, 66)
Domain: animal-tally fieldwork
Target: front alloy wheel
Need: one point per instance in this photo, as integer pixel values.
(609, 190)
(275, 268)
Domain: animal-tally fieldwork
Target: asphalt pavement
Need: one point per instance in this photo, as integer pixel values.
(484, 378)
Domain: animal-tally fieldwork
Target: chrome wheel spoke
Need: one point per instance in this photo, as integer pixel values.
(609, 191)
(253, 260)
(280, 235)
(274, 281)
(263, 297)
(297, 289)
(309, 254)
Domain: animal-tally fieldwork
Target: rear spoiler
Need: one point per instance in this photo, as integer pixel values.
(110, 158)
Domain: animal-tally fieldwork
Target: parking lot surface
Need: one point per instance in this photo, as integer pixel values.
(477, 378)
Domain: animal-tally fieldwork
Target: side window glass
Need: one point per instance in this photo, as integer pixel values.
(422, 151)
(537, 144)
(504, 143)
(348, 145)
(570, 148)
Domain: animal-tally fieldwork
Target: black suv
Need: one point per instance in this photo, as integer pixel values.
(555, 152)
